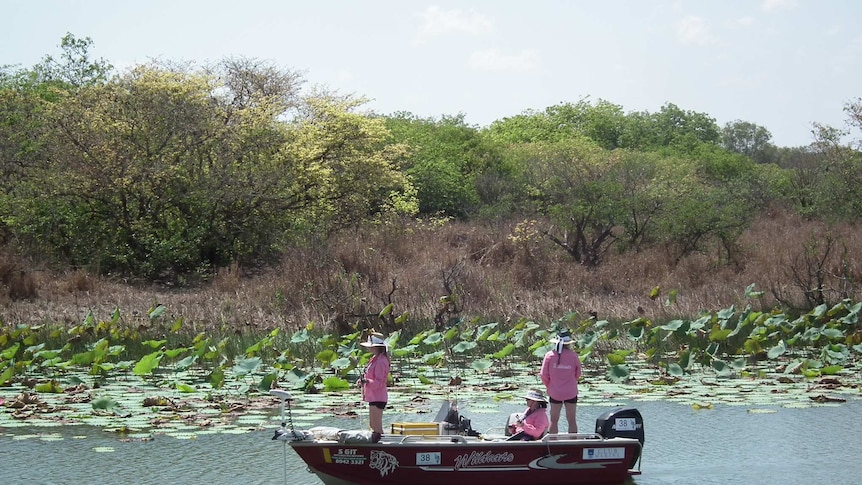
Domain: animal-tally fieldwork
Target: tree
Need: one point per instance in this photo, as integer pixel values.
(652, 183)
(854, 112)
(164, 171)
(602, 123)
(21, 126)
(74, 68)
(443, 159)
(720, 195)
(577, 186)
(670, 127)
(348, 158)
(750, 140)
(25, 96)
(836, 179)
(527, 127)
(708, 217)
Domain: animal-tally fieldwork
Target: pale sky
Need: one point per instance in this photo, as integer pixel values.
(782, 64)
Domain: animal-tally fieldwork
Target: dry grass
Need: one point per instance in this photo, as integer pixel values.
(346, 281)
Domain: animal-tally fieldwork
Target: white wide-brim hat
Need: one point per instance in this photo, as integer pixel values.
(535, 395)
(374, 341)
(564, 337)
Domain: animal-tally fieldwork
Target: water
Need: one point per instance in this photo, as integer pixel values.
(741, 444)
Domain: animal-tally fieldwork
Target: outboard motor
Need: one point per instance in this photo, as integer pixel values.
(622, 423)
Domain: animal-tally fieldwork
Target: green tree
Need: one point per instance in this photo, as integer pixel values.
(350, 161)
(652, 183)
(74, 68)
(834, 179)
(707, 217)
(750, 140)
(443, 159)
(577, 186)
(527, 127)
(819, 181)
(25, 96)
(21, 126)
(164, 171)
(602, 122)
(723, 192)
(671, 127)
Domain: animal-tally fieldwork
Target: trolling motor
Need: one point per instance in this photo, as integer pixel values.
(286, 432)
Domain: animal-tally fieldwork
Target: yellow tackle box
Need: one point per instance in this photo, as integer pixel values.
(418, 428)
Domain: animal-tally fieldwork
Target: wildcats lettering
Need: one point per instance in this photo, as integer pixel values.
(483, 458)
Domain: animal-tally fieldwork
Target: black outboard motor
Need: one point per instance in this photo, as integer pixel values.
(623, 422)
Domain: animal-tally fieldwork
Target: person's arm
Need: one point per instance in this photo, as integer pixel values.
(578, 367)
(545, 373)
(378, 374)
(518, 425)
(535, 424)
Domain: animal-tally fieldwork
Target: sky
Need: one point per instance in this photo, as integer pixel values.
(781, 64)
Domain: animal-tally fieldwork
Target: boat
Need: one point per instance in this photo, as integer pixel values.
(432, 453)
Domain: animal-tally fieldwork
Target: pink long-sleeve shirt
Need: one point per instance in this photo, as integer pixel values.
(376, 375)
(561, 378)
(535, 424)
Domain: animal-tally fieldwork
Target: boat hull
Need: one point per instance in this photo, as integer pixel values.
(431, 460)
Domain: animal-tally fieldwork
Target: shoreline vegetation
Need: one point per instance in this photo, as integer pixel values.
(453, 270)
(179, 361)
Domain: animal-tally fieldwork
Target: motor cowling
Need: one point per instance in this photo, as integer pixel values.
(623, 422)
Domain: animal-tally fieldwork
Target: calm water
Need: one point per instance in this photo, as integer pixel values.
(725, 445)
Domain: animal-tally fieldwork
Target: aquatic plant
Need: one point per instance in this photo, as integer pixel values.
(102, 361)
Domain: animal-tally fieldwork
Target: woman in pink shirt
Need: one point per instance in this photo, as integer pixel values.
(532, 424)
(561, 369)
(373, 383)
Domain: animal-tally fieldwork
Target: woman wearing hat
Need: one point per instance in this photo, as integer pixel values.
(373, 383)
(561, 369)
(534, 422)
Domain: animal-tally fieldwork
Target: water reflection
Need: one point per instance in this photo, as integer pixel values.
(728, 444)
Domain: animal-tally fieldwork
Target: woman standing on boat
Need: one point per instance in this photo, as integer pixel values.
(561, 369)
(373, 383)
(534, 422)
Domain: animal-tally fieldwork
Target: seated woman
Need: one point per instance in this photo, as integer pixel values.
(534, 422)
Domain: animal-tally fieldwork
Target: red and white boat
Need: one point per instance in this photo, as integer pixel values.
(608, 456)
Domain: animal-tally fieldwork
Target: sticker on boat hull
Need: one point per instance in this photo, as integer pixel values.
(616, 453)
(344, 456)
(483, 458)
(552, 462)
(428, 458)
(383, 462)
